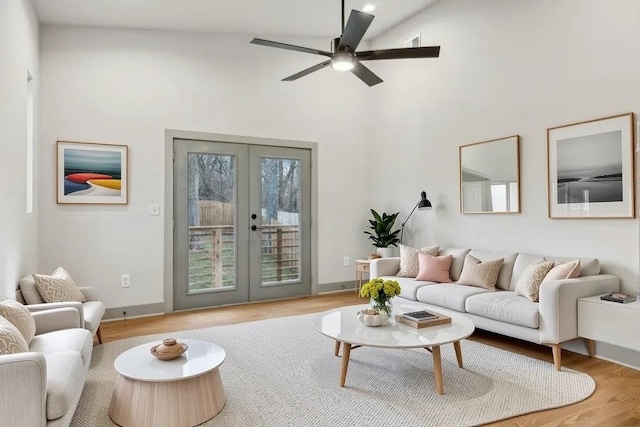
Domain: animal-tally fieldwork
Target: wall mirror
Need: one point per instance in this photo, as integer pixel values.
(490, 176)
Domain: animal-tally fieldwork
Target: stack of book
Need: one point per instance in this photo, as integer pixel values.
(618, 297)
(422, 319)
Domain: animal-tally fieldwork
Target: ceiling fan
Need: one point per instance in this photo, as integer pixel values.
(344, 56)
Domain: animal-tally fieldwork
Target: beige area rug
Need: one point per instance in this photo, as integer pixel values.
(281, 372)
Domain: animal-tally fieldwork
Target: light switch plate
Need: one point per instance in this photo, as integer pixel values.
(154, 209)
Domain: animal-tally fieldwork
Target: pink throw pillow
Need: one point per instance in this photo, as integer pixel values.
(434, 268)
(568, 270)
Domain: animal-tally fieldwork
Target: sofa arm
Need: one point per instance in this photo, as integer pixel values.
(384, 267)
(24, 389)
(559, 304)
(90, 293)
(56, 320)
(53, 305)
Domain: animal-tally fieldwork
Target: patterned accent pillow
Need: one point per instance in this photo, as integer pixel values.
(59, 287)
(409, 259)
(568, 270)
(528, 284)
(480, 274)
(20, 317)
(434, 268)
(11, 340)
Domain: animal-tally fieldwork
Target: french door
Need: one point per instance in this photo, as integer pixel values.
(242, 223)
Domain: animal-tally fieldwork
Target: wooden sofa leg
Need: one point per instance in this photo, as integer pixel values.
(591, 347)
(557, 356)
(99, 334)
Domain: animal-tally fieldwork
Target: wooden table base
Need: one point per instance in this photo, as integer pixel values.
(434, 350)
(175, 403)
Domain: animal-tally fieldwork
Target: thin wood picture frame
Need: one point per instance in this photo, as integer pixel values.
(591, 169)
(92, 173)
(489, 167)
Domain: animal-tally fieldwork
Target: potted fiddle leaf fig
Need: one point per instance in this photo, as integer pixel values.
(381, 232)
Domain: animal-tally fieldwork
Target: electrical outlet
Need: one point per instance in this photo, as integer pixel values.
(345, 261)
(125, 280)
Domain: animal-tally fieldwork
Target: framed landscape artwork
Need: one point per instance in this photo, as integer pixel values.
(591, 169)
(92, 173)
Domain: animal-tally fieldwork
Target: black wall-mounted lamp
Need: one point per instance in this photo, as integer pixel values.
(422, 205)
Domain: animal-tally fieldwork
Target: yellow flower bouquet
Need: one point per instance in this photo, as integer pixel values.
(380, 291)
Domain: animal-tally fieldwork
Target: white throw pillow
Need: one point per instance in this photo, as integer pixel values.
(11, 340)
(480, 274)
(528, 284)
(59, 287)
(20, 317)
(409, 266)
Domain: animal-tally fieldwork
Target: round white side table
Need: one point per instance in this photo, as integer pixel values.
(186, 391)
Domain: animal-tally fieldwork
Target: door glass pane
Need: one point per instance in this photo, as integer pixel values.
(281, 195)
(211, 212)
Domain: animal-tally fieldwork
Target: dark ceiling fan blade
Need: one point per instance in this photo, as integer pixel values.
(279, 45)
(357, 25)
(365, 74)
(402, 53)
(307, 71)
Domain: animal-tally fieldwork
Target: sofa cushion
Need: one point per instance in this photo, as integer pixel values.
(566, 270)
(409, 259)
(505, 306)
(408, 286)
(93, 312)
(504, 277)
(529, 282)
(448, 295)
(29, 291)
(434, 269)
(59, 287)
(77, 339)
(65, 376)
(482, 274)
(456, 262)
(11, 340)
(20, 316)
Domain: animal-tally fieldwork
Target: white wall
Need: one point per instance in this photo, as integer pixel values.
(18, 230)
(506, 67)
(127, 87)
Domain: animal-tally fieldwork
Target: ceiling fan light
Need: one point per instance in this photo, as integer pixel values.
(342, 62)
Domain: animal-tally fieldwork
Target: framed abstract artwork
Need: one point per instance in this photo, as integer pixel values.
(591, 169)
(92, 173)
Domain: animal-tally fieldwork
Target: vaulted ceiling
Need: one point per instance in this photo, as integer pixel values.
(308, 18)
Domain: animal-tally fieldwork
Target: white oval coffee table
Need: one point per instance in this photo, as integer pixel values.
(343, 326)
(186, 391)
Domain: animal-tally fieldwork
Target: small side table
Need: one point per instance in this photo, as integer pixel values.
(609, 322)
(362, 266)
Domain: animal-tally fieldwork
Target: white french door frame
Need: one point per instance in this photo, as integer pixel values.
(169, 136)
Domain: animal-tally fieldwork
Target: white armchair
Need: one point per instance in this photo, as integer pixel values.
(91, 311)
(42, 387)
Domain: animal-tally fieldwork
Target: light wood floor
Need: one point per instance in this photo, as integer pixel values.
(616, 401)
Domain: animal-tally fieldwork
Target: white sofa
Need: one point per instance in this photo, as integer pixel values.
(43, 386)
(551, 321)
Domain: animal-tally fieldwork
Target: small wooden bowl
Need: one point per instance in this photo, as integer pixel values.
(176, 349)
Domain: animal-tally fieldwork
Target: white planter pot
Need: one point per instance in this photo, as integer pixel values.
(385, 252)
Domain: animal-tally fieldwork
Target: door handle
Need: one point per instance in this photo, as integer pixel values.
(255, 227)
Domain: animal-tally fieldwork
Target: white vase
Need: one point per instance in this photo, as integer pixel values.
(385, 252)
